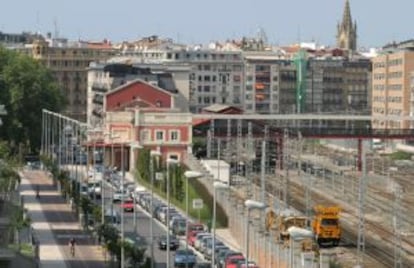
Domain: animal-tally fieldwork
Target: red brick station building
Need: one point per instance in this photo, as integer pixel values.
(139, 114)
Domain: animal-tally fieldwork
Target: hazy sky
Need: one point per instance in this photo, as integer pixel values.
(192, 21)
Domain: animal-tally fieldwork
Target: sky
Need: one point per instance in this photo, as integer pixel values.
(196, 22)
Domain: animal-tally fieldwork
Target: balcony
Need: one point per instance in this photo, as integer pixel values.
(98, 99)
(97, 112)
(100, 87)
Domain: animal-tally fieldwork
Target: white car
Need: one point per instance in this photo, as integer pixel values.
(118, 195)
(94, 189)
(199, 238)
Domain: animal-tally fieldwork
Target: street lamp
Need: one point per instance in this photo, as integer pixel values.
(67, 130)
(217, 186)
(112, 137)
(250, 204)
(122, 206)
(170, 161)
(296, 234)
(153, 154)
(133, 146)
(93, 131)
(188, 175)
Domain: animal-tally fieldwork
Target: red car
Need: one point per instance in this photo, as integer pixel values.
(128, 205)
(192, 237)
(232, 261)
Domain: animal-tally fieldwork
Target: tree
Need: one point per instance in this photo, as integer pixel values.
(26, 88)
(143, 164)
(135, 254)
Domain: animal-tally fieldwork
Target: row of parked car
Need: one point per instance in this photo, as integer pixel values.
(198, 237)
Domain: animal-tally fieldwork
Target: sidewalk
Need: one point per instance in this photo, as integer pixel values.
(54, 223)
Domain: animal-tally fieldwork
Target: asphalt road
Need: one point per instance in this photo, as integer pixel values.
(143, 227)
(143, 230)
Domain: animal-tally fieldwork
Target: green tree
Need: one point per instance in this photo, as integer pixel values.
(26, 88)
(143, 164)
(135, 254)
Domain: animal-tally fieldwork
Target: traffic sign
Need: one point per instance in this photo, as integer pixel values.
(198, 203)
(159, 176)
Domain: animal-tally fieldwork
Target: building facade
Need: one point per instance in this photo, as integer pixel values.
(140, 113)
(338, 85)
(216, 78)
(69, 62)
(391, 85)
(270, 84)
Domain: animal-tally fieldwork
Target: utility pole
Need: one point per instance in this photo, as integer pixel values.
(361, 210)
(228, 141)
(249, 160)
(286, 155)
(238, 148)
(397, 226)
(263, 173)
(210, 138)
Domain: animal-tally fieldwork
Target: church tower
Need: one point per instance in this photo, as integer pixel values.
(346, 37)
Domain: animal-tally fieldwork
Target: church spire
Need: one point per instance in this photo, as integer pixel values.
(346, 35)
(346, 17)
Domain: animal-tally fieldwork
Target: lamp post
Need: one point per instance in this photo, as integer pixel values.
(170, 161)
(93, 131)
(122, 206)
(217, 186)
(153, 154)
(112, 137)
(188, 175)
(296, 234)
(250, 204)
(133, 146)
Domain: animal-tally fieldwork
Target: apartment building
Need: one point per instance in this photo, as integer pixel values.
(259, 79)
(216, 78)
(270, 84)
(11, 40)
(338, 85)
(391, 85)
(69, 61)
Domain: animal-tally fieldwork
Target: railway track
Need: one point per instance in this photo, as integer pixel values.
(378, 250)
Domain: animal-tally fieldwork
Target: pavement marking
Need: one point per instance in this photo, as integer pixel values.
(65, 226)
(68, 236)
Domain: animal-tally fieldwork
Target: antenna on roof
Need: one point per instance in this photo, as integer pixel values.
(261, 35)
(56, 29)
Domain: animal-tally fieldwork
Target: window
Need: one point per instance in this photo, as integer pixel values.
(174, 135)
(159, 135)
(237, 68)
(173, 156)
(145, 135)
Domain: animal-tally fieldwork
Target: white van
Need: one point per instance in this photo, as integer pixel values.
(377, 144)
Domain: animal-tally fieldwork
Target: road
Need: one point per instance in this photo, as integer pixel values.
(143, 229)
